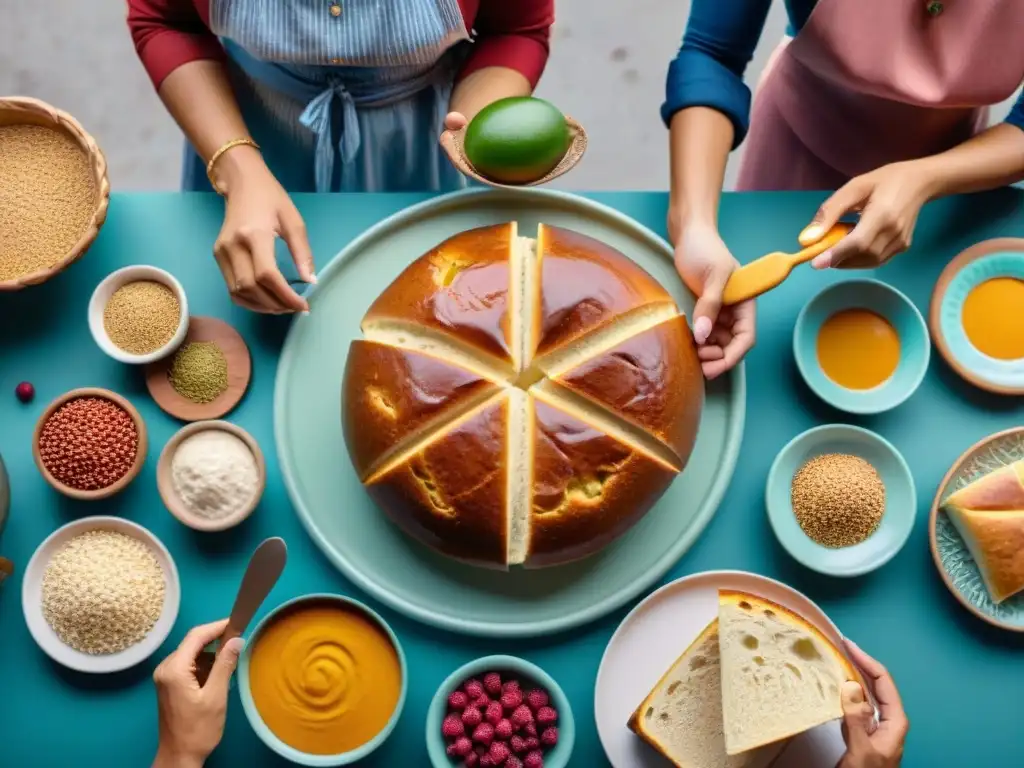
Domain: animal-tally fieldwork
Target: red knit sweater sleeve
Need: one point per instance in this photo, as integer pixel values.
(169, 33)
(511, 34)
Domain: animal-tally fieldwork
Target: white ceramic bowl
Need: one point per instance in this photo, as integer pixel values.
(106, 289)
(46, 638)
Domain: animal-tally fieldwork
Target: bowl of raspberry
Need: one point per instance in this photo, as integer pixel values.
(500, 711)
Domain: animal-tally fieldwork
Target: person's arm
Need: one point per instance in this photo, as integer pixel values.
(707, 104)
(169, 33)
(508, 55)
(993, 158)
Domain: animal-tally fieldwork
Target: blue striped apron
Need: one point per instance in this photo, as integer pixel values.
(353, 102)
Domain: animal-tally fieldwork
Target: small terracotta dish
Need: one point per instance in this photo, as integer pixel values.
(48, 640)
(952, 558)
(140, 450)
(106, 289)
(19, 110)
(166, 487)
(231, 343)
(453, 141)
(1002, 257)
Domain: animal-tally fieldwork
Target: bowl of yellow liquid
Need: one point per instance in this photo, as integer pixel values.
(977, 315)
(861, 346)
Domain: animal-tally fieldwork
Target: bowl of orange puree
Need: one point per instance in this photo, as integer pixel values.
(861, 346)
(322, 680)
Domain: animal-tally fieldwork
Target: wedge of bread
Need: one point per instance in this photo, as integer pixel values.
(682, 716)
(781, 676)
(989, 514)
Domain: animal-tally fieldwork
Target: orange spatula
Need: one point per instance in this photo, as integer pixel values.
(769, 271)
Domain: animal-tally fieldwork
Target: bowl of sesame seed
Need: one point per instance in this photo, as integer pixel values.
(841, 500)
(89, 443)
(100, 595)
(139, 314)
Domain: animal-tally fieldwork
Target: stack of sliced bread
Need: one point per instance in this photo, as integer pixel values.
(989, 514)
(756, 675)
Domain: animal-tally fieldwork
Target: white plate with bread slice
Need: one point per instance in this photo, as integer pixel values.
(723, 669)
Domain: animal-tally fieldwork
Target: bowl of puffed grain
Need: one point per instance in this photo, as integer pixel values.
(54, 191)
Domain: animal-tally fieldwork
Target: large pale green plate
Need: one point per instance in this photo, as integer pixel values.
(400, 572)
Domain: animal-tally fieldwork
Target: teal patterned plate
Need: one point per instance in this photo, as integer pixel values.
(954, 562)
(405, 575)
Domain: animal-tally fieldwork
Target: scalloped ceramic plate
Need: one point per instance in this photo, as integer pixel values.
(1002, 257)
(955, 564)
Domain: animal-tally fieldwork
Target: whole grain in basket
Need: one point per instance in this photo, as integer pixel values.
(47, 198)
(142, 316)
(103, 591)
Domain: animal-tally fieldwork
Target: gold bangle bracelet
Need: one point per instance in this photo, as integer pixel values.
(217, 155)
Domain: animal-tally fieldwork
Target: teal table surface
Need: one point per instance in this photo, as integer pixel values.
(960, 678)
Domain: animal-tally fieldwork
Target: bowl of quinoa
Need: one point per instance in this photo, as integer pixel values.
(54, 191)
(100, 595)
(89, 443)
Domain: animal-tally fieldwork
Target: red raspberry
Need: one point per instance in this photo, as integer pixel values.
(473, 688)
(463, 746)
(511, 699)
(450, 750)
(537, 699)
(503, 730)
(481, 701)
(518, 744)
(492, 683)
(452, 727)
(499, 752)
(522, 716)
(510, 685)
(485, 761)
(494, 713)
(534, 760)
(484, 734)
(549, 737)
(546, 716)
(532, 742)
(472, 717)
(530, 729)
(513, 762)
(471, 760)
(458, 700)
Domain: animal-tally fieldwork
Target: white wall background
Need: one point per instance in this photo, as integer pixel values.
(607, 70)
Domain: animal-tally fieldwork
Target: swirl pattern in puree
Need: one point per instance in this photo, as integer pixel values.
(324, 678)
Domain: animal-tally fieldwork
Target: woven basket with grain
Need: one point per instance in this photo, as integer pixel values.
(54, 191)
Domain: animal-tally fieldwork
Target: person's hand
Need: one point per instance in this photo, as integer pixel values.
(257, 212)
(723, 335)
(870, 744)
(192, 717)
(888, 200)
(453, 121)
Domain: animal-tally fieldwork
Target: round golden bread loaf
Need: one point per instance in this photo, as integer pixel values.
(518, 400)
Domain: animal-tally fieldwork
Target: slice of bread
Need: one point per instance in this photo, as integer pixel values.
(781, 675)
(989, 514)
(682, 716)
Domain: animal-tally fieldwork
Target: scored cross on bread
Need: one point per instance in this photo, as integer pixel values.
(518, 400)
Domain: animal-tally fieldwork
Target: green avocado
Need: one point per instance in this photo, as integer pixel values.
(516, 140)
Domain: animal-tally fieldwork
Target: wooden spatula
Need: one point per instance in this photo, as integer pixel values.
(453, 142)
(769, 271)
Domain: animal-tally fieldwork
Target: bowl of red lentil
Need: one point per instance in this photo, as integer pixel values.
(89, 443)
(54, 191)
(139, 314)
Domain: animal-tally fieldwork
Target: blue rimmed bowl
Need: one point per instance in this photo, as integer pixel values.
(900, 500)
(529, 675)
(1002, 257)
(253, 715)
(894, 306)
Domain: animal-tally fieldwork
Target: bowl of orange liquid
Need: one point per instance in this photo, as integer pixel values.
(322, 680)
(977, 315)
(861, 346)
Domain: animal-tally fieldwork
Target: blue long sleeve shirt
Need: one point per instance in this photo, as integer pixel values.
(719, 43)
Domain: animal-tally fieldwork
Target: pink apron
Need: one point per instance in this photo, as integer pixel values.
(870, 82)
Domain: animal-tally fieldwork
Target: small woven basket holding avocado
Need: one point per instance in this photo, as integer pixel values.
(520, 141)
